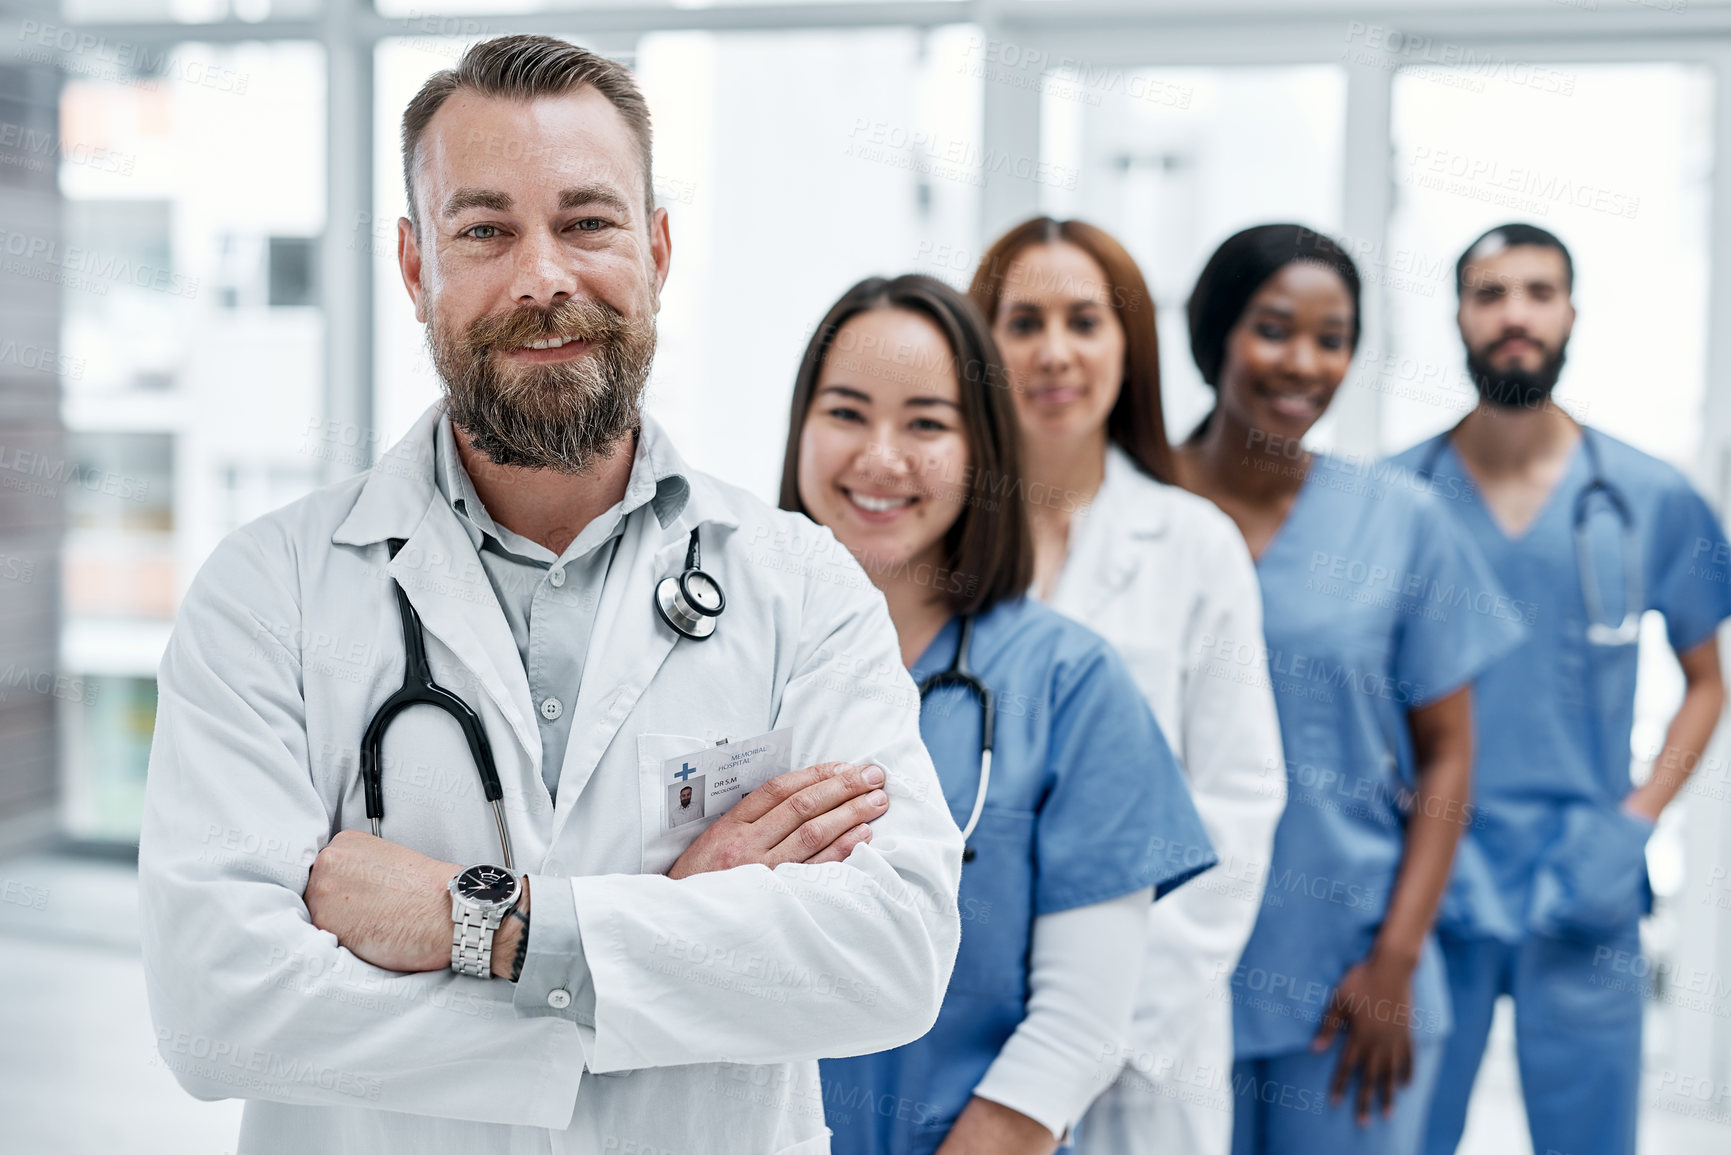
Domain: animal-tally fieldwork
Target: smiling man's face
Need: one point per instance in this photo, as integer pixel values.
(537, 269)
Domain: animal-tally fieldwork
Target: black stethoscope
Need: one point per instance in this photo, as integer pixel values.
(689, 603)
(1600, 632)
(958, 674)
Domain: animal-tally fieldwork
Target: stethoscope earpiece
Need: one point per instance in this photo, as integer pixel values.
(691, 602)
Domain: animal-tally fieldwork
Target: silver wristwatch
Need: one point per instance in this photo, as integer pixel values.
(481, 896)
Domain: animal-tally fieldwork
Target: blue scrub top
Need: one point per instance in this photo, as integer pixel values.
(1086, 804)
(1374, 603)
(1553, 718)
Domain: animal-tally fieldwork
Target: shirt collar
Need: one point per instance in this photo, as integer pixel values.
(397, 495)
(657, 480)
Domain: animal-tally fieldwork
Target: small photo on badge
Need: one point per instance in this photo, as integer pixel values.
(685, 801)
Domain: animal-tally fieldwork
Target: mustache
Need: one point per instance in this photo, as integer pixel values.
(1527, 337)
(572, 319)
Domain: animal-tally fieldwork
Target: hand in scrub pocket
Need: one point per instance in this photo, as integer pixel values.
(1592, 881)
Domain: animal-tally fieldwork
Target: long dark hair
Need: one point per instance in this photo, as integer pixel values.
(1136, 424)
(990, 542)
(1242, 264)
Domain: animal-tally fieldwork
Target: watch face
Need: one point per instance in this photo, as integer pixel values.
(486, 884)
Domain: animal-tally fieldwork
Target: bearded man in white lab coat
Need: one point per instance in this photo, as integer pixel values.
(297, 961)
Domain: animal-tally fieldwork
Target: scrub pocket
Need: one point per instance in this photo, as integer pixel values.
(1592, 881)
(996, 903)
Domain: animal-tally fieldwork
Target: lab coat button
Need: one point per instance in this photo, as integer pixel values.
(551, 709)
(558, 998)
(557, 577)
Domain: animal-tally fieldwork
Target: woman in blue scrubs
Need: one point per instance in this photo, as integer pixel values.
(902, 442)
(1371, 606)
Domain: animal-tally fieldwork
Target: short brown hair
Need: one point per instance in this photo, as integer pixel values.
(527, 68)
(990, 541)
(1137, 424)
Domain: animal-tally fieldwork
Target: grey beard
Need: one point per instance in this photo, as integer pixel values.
(562, 417)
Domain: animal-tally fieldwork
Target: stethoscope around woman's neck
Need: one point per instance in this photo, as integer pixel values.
(957, 673)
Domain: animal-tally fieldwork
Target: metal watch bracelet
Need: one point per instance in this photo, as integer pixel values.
(472, 943)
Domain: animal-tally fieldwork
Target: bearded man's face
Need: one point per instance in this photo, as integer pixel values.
(537, 267)
(1515, 318)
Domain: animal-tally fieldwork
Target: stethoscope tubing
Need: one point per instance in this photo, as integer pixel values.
(690, 617)
(420, 689)
(957, 673)
(1599, 630)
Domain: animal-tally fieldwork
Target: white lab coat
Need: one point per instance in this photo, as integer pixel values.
(1165, 577)
(714, 994)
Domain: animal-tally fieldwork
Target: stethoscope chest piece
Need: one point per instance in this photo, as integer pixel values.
(691, 602)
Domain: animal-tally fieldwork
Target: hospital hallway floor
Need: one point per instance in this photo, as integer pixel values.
(80, 1074)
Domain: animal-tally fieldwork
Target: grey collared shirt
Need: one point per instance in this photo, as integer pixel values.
(550, 603)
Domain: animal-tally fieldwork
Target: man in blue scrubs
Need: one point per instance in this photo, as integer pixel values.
(1550, 883)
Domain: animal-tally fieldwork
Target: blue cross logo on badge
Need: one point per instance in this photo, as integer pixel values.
(685, 771)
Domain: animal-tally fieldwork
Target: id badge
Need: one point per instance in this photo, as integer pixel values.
(705, 783)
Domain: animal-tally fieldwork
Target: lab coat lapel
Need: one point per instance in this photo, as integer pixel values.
(626, 649)
(440, 571)
(1111, 546)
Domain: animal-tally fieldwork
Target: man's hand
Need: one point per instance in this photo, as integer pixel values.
(386, 903)
(1373, 1004)
(818, 814)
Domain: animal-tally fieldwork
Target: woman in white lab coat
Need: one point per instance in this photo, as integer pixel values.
(1165, 577)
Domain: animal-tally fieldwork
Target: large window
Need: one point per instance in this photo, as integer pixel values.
(1617, 161)
(1172, 161)
(190, 314)
(776, 207)
(216, 220)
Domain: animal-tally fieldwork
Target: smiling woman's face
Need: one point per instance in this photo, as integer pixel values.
(1289, 352)
(1062, 342)
(883, 454)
